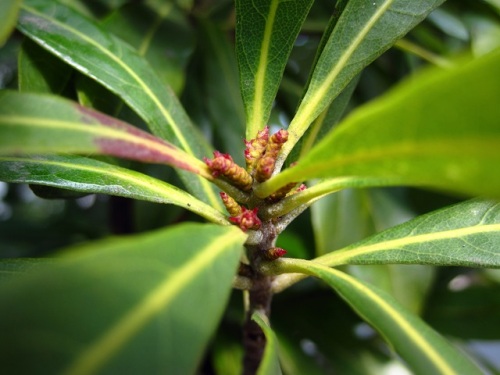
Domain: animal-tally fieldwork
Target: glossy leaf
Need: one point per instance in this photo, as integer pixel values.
(467, 234)
(265, 33)
(92, 176)
(415, 136)
(113, 63)
(425, 351)
(362, 33)
(31, 123)
(9, 10)
(270, 364)
(121, 305)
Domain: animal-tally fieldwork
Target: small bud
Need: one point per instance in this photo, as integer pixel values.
(223, 164)
(231, 205)
(248, 219)
(281, 193)
(273, 253)
(266, 164)
(255, 148)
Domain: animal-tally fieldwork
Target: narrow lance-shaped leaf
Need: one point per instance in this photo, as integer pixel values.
(98, 54)
(265, 33)
(128, 305)
(33, 123)
(362, 33)
(434, 131)
(467, 234)
(93, 176)
(425, 351)
(270, 364)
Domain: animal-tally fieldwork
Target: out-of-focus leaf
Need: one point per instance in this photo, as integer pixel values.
(413, 136)
(92, 176)
(265, 33)
(362, 33)
(472, 313)
(160, 33)
(9, 10)
(90, 49)
(40, 71)
(33, 123)
(221, 89)
(425, 351)
(122, 305)
(270, 364)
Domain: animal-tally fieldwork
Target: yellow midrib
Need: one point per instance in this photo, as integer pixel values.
(110, 342)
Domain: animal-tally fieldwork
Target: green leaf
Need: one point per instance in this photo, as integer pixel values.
(425, 351)
(149, 27)
(265, 33)
(466, 234)
(472, 313)
(9, 10)
(92, 176)
(32, 123)
(88, 48)
(128, 305)
(362, 33)
(270, 364)
(40, 71)
(412, 136)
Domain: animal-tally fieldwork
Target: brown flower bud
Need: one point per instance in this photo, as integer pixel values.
(266, 164)
(231, 205)
(255, 148)
(223, 164)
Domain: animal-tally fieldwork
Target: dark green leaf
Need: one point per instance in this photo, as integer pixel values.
(88, 48)
(425, 351)
(362, 33)
(40, 71)
(129, 305)
(467, 234)
(435, 130)
(92, 176)
(265, 33)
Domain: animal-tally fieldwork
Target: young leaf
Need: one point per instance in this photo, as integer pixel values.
(425, 351)
(434, 131)
(127, 305)
(362, 33)
(270, 364)
(103, 57)
(9, 10)
(265, 33)
(92, 176)
(32, 123)
(466, 234)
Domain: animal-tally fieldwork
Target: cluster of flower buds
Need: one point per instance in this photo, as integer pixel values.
(255, 149)
(273, 253)
(223, 164)
(247, 219)
(261, 153)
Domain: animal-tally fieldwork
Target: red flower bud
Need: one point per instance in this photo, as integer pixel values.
(247, 219)
(223, 164)
(255, 148)
(273, 253)
(266, 164)
(231, 205)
